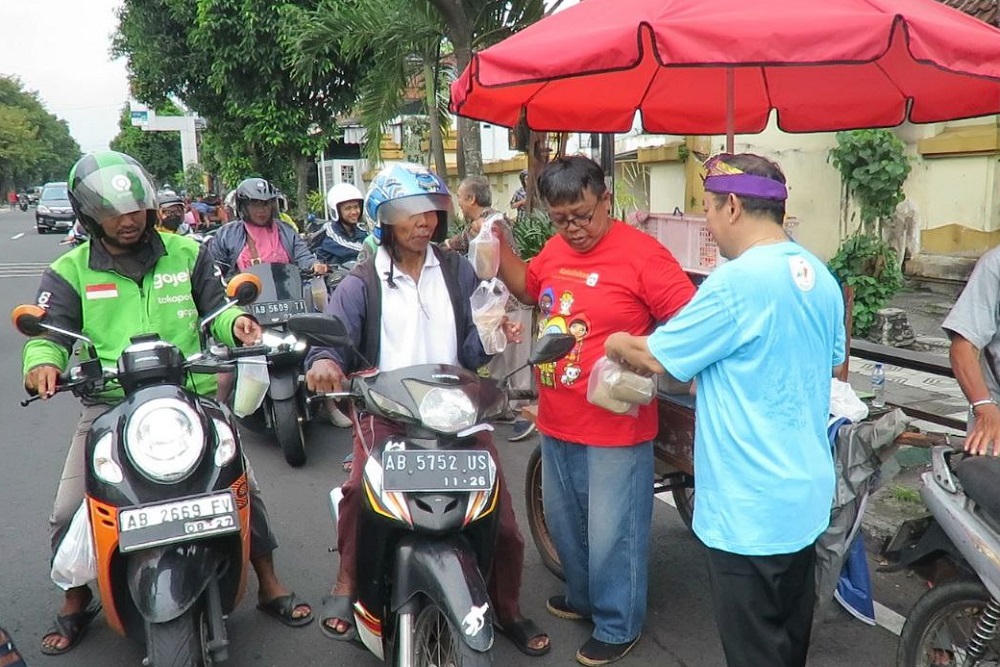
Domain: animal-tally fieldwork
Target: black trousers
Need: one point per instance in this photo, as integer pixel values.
(764, 606)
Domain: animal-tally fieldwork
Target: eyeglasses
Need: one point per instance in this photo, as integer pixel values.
(580, 221)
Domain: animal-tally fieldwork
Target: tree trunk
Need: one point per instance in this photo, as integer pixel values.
(469, 142)
(436, 138)
(302, 183)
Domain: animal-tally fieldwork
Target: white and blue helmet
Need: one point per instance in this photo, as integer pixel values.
(404, 189)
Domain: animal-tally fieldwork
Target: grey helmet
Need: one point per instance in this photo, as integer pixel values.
(255, 189)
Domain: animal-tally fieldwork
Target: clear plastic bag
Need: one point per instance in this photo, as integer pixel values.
(484, 250)
(618, 390)
(75, 562)
(252, 383)
(489, 307)
(845, 403)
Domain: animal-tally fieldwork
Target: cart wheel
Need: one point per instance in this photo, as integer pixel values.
(684, 501)
(536, 514)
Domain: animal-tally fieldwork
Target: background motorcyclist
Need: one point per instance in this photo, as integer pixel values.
(410, 305)
(258, 236)
(342, 236)
(170, 215)
(104, 289)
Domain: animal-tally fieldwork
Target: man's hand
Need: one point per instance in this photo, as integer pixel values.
(512, 330)
(985, 436)
(320, 268)
(42, 380)
(632, 353)
(247, 331)
(325, 376)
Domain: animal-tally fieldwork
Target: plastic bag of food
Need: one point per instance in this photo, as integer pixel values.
(489, 307)
(618, 390)
(252, 383)
(845, 403)
(75, 562)
(484, 250)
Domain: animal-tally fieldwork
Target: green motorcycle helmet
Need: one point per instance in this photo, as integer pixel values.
(107, 184)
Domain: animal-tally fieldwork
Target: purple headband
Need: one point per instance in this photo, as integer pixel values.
(746, 185)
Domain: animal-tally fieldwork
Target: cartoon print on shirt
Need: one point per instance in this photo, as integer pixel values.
(571, 373)
(579, 327)
(547, 372)
(566, 303)
(545, 302)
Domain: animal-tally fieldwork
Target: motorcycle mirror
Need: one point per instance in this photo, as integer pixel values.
(320, 330)
(244, 288)
(27, 319)
(551, 347)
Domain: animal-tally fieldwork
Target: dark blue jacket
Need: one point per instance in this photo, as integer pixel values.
(339, 245)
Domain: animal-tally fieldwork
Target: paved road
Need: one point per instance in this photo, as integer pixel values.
(679, 632)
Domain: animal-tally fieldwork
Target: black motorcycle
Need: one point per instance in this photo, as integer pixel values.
(22, 202)
(286, 291)
(429, 514)
(166, 492)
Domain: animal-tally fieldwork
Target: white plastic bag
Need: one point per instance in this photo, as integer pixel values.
(489, 307)
(844, 403)
(252, 383)
(484, 250)
(75, 562)
(618, 390)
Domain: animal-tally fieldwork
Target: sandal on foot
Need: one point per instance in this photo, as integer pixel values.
(521, 633)
(595, 653)
(558, 607)
(8, 650)
(348, 463)
(338, 608)
(72, 627)
(283, 608)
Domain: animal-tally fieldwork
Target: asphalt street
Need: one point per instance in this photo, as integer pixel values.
(679, 631)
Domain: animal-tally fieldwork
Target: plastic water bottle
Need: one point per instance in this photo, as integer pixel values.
(878, 386)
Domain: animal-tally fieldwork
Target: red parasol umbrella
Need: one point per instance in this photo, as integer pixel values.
(720, 66)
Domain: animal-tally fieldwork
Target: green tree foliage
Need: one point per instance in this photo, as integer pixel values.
(35, 146)
(223, 59)
(159, 152)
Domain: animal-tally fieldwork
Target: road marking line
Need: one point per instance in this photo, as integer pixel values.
(17, 236)
(884, 617)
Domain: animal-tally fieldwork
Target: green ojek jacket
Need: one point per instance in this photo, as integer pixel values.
(84, 291)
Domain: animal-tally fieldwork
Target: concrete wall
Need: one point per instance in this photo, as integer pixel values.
(666, 187)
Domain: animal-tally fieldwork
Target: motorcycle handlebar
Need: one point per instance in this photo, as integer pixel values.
(230, 353)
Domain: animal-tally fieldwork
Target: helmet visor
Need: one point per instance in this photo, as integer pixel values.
(398, 210)
(115, 190)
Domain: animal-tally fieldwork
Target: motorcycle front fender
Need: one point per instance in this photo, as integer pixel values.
(446, 572)
(166, 581)
(284, 383)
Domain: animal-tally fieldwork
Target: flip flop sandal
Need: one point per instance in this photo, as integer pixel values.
(341, 608)
(521, 632)
(348, 462)
(282, 609)
(72, 627)
(8, 649)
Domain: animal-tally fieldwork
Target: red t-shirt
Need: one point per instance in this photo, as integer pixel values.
(627, 282)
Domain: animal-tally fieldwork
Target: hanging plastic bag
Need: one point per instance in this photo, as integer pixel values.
(252, 383)
(484, 249)
(75, 562)
(489, 307)
(844, 403)
(618, 390)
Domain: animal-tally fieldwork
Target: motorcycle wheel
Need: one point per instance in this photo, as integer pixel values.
(684, 502)
(938, 628)
(288, 431)
(176, 643)
(436, 643)
(536, 515)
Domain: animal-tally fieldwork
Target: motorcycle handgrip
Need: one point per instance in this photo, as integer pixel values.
(65, 379)
(522, 394)
(246, 351)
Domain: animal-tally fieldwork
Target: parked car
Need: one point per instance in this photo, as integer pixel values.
(34, 194)
(54, 212)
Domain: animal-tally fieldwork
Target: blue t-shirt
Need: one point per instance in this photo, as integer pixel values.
(762, 335)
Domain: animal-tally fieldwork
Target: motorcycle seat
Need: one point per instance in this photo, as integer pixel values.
(979, 475)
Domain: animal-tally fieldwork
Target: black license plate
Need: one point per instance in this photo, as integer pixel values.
(416, 470)
(177, 521)
(270, 312)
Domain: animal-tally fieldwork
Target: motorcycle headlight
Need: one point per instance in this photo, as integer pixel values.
(165, 439)
(42, 209)
(226, 449)
(447, 410)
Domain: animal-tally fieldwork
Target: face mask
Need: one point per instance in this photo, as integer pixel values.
(172, 222)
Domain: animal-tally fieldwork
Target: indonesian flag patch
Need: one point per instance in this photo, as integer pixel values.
(102, 291)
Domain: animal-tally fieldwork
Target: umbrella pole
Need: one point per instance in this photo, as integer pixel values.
(730, 109)
(608, 163)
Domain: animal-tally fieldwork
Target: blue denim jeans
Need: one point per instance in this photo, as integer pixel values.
(598, 507)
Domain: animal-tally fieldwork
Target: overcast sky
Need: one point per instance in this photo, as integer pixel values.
(59, 48)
